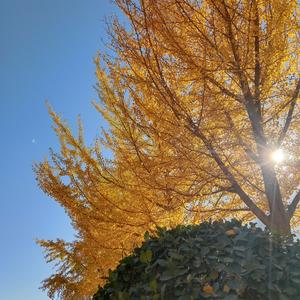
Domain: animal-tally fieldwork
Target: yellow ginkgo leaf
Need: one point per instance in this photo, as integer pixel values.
(230, 232)
(208, 289)
(226, 289)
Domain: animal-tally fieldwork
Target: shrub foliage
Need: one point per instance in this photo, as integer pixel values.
(219, 260)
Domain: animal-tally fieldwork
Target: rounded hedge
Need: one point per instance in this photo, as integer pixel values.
(219, 260)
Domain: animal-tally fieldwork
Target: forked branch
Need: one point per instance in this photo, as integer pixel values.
(237, 188)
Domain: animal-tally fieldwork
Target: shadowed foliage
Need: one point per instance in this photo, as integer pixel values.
(219, 260)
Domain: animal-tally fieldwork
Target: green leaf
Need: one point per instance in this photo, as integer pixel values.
(239, 248)
(290, 291)
(146, 236)
(283, 297)
(213, 275)
(123, 296)
(296, 280)
(231, 297)
(234, 284)
(146, 256)
(204, 251)
(153, 285)
(228, 260)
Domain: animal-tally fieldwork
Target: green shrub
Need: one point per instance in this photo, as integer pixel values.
(219, 260)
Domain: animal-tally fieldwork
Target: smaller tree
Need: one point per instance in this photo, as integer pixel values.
(220, 260)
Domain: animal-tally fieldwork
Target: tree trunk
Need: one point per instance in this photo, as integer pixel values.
(279, 223)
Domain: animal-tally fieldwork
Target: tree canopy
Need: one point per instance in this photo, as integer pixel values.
(200, 97)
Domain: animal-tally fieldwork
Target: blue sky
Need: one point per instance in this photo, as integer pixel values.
(46, 53)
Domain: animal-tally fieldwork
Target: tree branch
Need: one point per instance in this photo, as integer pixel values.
(244, 197)
(292, 207)
(247, 149)
(223, 89)
(288, 119)
(220, 209)
(225, 209)
(257, 71)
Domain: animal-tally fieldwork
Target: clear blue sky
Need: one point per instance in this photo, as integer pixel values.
(46, 52)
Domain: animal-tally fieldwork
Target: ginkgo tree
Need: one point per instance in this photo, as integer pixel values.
(201, 102)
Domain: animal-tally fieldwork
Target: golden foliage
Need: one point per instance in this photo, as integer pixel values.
(197, 95)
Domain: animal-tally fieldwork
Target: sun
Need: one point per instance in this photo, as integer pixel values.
(277, 156)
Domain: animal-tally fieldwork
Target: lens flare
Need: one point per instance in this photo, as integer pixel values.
(277, 156)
